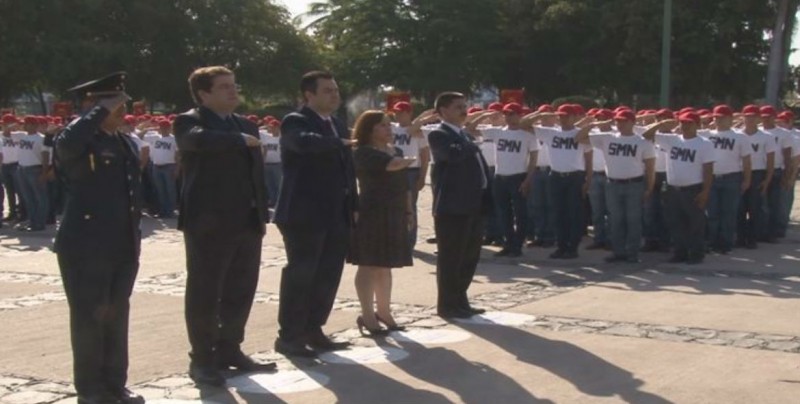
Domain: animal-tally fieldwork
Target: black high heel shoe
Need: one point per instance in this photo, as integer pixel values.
(372, 333)
(389, 327)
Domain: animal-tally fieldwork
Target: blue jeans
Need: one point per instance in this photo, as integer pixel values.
(568, 208)
(786, 213)
(10, 181)
(512, 209)
(492, 228)
(413, 177)
(775, 204)
(273, 174)
(164, 179)
(654, 225)
(723, 208)
(597, 198)
(753, 215)
(35, 195)
(541, 221)
(624, 201)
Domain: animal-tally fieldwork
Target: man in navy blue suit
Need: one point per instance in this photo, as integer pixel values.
(316, 209)
(461, 194)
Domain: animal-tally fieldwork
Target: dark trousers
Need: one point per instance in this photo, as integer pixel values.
(413, 177)
(540, 207)
(775, 205)
(55, 195)
(222, 276)
(723, 209)
(654, 225)
(311, 277)
(149, 189)
(752, 223)
(98, 293)
(511, 208)
(458, 240)
(11, 183)
(686, 220)
(568, 208)
(491, 222)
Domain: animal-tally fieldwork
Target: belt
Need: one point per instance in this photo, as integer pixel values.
(509, 175)
(759, 171)
(11, 164)
(627, 180)
(33, 166)
(164, 165)
(687, 187)
(728, 175)
(566, 174)
(543, 168)
(272, 164)
(598, 174)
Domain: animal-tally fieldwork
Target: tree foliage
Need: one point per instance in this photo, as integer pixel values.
(609, 49)
(159, 42)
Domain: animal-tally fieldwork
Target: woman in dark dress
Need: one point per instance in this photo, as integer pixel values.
(380, 240)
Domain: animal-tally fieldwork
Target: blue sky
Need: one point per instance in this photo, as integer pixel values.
(300, 6)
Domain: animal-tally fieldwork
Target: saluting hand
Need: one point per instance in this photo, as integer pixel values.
(251, 141)
(112, 103)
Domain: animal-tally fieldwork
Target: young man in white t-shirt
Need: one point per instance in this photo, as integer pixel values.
(690, 170)
(785, 121)
(273, 169)
(541, 226)
(732, 176)
(10, 169)
(570, 175)
(164, 153)
(655, 230)
(630, 161)
(597, 189)
(408, 137)
(778, 190)
(515, 162)
(753, 217)
(34, 162)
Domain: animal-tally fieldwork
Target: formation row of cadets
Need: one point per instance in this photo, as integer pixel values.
(717, 178)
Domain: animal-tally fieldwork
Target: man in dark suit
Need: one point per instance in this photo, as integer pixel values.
(98, 241)
(461, 195)
(222, 216)
(316, 209)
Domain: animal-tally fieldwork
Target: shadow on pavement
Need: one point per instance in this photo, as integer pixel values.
(589, 373)
(474, 382)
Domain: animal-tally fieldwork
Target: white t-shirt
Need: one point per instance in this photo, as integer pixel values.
(566, 154)
(410, 145)
(140, 144)
(598, 159)
(163, 150)
(512, 149)
(761, 143)
(624, 155)
(273, 147)
(10, 149)
(685, 158)
(30, 150)
(729, 149)
(783, 140)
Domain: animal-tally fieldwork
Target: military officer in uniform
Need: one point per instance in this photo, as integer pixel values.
(98, 241)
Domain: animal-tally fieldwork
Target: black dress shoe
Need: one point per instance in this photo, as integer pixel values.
(453, 313)
(103, 398)
(207, 375)
(596, 246)
(677, 258)
(293, 348)
(235, 358)
(475, 310)
(568, 255)
(320, 342)
(557, 254)
(615, 258)
(128, 397)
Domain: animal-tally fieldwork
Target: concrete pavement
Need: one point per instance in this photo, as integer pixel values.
(579, 331)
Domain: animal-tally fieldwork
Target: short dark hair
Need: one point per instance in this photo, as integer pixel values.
(202, 79)
(310, 79)
(446, 99)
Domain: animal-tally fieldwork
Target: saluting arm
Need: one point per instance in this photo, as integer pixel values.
(191, 136)
(297, 136)
(75, 139)
(444, 149)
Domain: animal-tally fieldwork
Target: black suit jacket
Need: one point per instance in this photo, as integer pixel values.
(457, 170)
(319, 183)
(223, 179)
